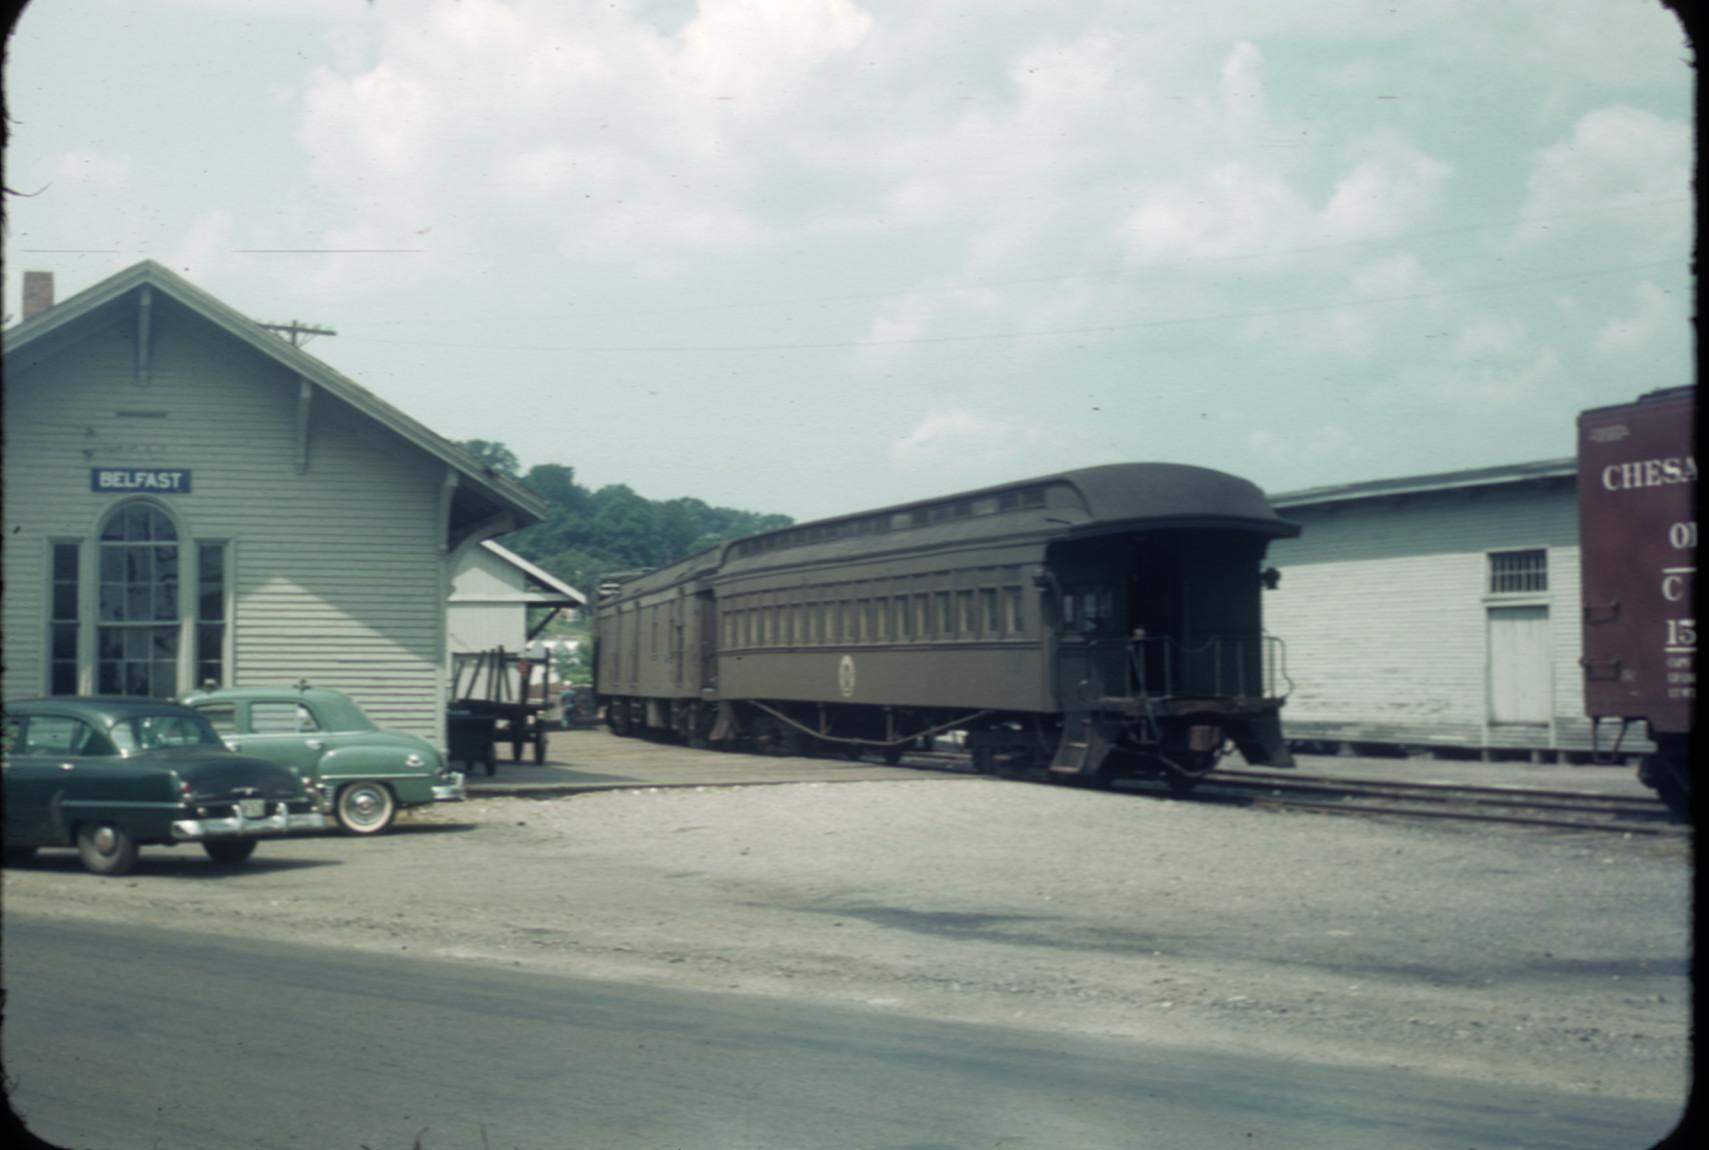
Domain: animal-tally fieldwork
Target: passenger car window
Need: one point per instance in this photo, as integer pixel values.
(150, 732)
(276, 718)
(222, 716)
(55, 735)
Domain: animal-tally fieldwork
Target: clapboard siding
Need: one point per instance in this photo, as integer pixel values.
(485, 626)
(1384, 606)
(336, 572)
(486, 609)
(483, 574)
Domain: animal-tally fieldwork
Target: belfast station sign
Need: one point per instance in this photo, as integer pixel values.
(155, 480)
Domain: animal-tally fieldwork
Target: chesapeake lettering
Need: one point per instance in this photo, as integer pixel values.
(1649, 473)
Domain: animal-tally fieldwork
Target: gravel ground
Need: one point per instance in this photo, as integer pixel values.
(1513, 954)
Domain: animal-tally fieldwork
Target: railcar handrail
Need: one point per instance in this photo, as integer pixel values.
(1150, 658)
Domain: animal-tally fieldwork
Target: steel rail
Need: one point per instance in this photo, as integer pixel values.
(1361, 792)
(1454, 793)
(1402, 785)
(1658, 829)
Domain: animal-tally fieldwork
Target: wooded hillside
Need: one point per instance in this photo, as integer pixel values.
(590, 533)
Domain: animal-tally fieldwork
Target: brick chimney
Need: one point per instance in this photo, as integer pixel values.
(38, 293)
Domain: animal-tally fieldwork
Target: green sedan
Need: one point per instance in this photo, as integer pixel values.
(358, 773)
(108, 775)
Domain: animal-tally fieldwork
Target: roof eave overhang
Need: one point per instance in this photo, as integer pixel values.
(1546, 471)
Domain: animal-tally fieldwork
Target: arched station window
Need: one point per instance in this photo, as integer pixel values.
(137, 613)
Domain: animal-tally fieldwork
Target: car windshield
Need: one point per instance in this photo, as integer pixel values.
(153, 732)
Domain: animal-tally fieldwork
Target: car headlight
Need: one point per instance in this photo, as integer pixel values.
(413, 760)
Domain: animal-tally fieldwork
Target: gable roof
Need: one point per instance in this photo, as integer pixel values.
(45, 332)
(551, 591)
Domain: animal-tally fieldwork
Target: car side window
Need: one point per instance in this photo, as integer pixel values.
(57, 735)
(154, 731)
(276, 718)
(223, 716)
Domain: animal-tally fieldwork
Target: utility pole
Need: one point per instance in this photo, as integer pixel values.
(294, 329)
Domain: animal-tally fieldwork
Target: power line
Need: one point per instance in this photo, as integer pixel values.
(1159, 265)
(1094, 329)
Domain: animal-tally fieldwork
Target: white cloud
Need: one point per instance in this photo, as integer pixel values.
(1383, 194)
(203, 250)
(1243, 86)
(1612, 154)
(614, 140)
(1305, 447)
(1653, 317)
(1232, 210)
(89, 173)
(1243, 209)
(1399, 274)
(956, 440)
(759, 53)
(1488, 339)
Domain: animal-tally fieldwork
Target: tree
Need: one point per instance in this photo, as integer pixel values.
(587, 534)
(495, 455)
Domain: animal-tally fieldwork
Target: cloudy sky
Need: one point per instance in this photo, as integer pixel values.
(811, 256)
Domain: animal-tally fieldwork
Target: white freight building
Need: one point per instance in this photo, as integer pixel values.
(1435, 611)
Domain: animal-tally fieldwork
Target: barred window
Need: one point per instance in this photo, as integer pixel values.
(1513, 572)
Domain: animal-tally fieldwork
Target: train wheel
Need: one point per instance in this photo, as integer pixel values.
(893, 755)
(984, 760)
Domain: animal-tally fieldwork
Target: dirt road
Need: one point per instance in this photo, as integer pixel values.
(1513, 954)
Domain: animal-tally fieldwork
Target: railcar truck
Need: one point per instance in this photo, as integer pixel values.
(1638, 547)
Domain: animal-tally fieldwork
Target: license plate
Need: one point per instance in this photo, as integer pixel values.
(252, 808)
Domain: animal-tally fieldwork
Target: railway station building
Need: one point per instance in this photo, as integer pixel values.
(1436, 612)
(190, 498)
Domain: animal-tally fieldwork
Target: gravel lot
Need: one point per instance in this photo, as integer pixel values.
(1514, 954)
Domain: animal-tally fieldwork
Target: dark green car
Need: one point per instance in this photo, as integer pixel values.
(358, 773)
(108, 775)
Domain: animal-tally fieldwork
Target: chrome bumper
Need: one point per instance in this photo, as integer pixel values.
(454, 791)
(279, 823)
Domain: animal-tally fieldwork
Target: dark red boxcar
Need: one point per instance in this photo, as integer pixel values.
(1637, 491)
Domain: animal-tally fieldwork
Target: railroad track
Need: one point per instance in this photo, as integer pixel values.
(1462, 802)
(1572, 810)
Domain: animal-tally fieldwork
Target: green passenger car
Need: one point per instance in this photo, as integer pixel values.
(359, 774)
